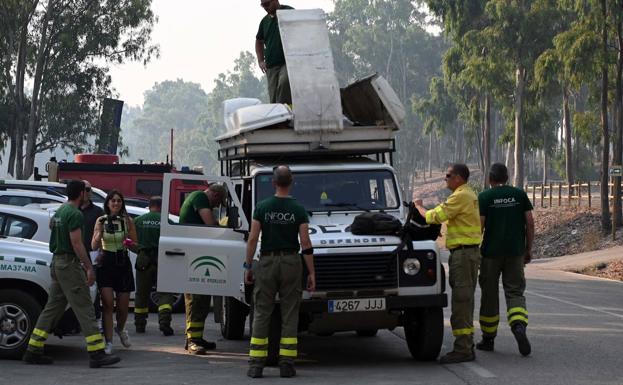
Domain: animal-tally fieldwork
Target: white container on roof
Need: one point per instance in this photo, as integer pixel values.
(359, 119)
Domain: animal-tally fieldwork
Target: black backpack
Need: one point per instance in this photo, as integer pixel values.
(375, 224)
(416, 227)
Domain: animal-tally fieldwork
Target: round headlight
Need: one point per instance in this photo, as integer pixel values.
(411, 266)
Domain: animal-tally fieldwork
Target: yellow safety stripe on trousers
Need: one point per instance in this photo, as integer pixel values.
(96, 347)
(194, 325)
(288, 341)
(40, 333)
(462, 241)
(489, 329)
(463, 229)
(258, 353)
(463, 332)
(194, 334)
(166, 306)
(287, 352)
(518, 317)
(493, 319)
(141, 310)
(33, 342)
(259, 341)
(94, 338)
(520, 310)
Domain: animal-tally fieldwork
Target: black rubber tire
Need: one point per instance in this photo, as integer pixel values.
(274, 336)
(19, 301)
(424, 332)
(367, 333)
(233, 318)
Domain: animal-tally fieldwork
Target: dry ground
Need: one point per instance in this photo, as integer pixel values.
(559, 230)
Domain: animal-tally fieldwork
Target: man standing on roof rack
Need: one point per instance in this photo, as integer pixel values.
(270, 56)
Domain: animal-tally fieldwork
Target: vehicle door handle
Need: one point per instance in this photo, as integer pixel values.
(174, 253)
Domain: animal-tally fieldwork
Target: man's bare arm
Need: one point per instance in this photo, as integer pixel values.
(76, 242)
(207, 217)
(259, 52)
(309, 258)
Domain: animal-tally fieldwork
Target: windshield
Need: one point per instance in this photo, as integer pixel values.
(338, 191)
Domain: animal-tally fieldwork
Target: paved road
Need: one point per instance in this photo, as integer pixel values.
(576, 329)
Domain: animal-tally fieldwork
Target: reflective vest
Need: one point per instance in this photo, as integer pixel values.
(461, 212)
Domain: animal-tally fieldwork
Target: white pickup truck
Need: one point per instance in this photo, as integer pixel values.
(339, 146)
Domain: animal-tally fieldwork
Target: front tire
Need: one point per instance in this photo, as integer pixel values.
(424, 332)
(19, 312)
(233, 318)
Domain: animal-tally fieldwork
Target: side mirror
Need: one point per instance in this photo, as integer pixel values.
(233, 219)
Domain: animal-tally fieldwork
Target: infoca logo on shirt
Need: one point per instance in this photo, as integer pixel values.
(501, 201)
(279, 218)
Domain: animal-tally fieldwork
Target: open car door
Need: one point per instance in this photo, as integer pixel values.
(202, 259)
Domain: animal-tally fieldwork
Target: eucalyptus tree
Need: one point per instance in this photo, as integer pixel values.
(56, 58)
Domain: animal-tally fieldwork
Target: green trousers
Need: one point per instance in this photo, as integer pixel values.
(197, 309)
(463, 265)
(514, 283)
(68, 287)
(276, 274)
(146, 276)
(278, 85)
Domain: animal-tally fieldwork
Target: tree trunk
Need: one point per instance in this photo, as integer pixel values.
(486, 140)
(617, 156)
(566, 124)
(520, 83)
(35, 101)
(605, 213)
(430, 155)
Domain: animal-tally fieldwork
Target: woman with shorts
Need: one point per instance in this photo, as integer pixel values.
(114, 233)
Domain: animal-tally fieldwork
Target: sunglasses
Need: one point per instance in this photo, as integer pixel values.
(448, 176)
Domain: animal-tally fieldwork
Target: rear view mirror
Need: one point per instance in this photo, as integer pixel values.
(233, 219)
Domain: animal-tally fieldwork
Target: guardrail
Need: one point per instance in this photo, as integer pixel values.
(568, 195)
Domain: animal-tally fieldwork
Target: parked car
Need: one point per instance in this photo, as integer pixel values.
(32, 222)
(52, 188)
(24, 286)
(27, 197)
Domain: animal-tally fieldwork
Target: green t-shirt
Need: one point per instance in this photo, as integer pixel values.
(504, 209)
(269, 34)
(280, 219)
(66, 219)
(148, 230)
(195, 201)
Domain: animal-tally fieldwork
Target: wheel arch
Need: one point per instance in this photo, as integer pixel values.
(39, 293)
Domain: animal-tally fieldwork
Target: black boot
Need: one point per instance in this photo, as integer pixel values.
(456, 357)
(255, 372)
(519, 331)
(286, 370)
(485, 344)
(36, 358)
(193, 347)
(167, 330)
(207, 345)
(99, 358)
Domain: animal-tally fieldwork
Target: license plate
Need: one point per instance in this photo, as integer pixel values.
(350, 305)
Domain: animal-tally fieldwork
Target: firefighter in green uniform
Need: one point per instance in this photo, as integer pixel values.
(460, 211)
(148, 233)
(70, 284)
(197, 209)
(281, 220)
(508, 225)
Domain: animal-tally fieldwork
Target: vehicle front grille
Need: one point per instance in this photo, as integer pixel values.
(355, 271)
